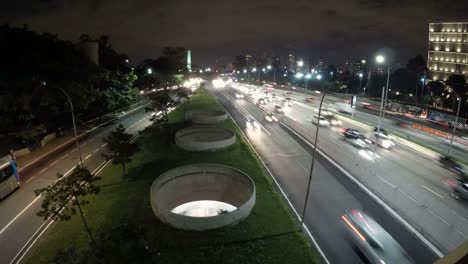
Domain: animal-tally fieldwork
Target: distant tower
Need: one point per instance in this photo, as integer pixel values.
(189, 60)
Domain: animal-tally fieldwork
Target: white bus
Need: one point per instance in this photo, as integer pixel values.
(9, 180)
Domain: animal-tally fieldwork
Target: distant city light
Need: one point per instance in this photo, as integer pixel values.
(254, 69)
(308, 76)
(269, 67)
(299, 75)
(127, 61)
(319, 76)
(149, 71)
(360, 75)
(363, 61)
(300, 63)
(245, 71)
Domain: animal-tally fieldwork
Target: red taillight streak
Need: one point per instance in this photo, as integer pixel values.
(353, 228)
(451, 183)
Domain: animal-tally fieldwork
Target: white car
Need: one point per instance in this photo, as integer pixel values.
(322, 121)
(252, 124)
(279, 109)
(271, 118)
(239, 96)
(384, 139)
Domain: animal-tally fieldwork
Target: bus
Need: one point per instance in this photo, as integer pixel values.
(9, 180)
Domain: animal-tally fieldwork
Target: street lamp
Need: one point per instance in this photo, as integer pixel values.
(360, 81)
(74, 125)
(300, 63)
(299, 75)
(149, 71)
(269, 67)
(423, 81)
(380, 59)
(455, 125)
(319, 77)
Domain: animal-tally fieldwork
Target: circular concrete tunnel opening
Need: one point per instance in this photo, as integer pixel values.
(207, 116)
(202, 196)
(204, 138)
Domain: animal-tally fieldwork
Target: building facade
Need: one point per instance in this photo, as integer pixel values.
(291, 62)
(448, 50)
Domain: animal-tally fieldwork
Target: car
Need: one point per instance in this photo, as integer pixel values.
(252, 124)
(334, 121)
(239, 96)
(454, 166)
(382, 138)
(355, 138)
(261, 101)
(370, 239)
(285, 102)
(322, 121)
(279, 109)
(289, 93)
(271, 118)
(310, 100)
(459, 188)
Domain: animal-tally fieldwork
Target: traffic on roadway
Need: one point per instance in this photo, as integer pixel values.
(399, 189)
(20, 227)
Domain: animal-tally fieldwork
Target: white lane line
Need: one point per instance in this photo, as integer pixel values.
(103, 145)
(44, 169)
(374, 196)
(29, 205)
(427, 188)
(87, 157)
(96, 150)
(53, 163)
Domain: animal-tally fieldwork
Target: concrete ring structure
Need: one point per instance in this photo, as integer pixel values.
(202, 182)
(207, 117)
(204, 138)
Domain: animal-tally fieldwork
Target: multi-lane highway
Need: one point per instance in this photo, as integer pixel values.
(411, 183)
(389, 122)
(19, 225)
(332, 192)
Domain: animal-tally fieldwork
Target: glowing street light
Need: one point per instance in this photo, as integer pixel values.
(269, 67)
(245, 71)
(319, 77)
(300, 63)
(308, 76)
(149, 71)
(360, 80)
(363, 61)
(299, 75)
(380, 59)
(263, 70)
(254, 69)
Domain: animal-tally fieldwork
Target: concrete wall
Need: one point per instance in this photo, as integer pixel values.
(195, 138)
(202, 182)
(48, 138)
(207, 117)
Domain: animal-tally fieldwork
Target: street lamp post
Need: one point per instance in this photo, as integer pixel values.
(381, 59)
(314, 151)
(360, 81)
(74, 125)
(307, 77)
(423, 80)
(455, 125)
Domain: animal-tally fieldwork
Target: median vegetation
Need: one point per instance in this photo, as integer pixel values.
(127, 231)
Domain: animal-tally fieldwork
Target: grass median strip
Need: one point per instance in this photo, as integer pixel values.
(129, 232)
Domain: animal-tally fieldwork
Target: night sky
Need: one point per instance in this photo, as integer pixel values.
(333, 30)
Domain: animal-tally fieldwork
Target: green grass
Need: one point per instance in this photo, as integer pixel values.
(128, 232)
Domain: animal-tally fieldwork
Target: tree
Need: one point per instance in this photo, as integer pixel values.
(65, 195)
(161, 101)
(120, 147)
(457, 83)
(417, 65)
(239, 63)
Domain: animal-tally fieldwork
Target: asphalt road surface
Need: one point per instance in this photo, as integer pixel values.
(332, 192)
(412, 183)
(19, 225)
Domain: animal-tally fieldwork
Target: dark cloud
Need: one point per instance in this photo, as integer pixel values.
(332, 29)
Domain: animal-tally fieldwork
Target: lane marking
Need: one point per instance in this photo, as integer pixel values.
(427, 188)
(87, 157)
(44, 169)
(103, 145)
(96, 150)
(29, 205)
(374, 196)
(53, 163)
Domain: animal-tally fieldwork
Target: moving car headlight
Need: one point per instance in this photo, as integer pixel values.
(387, 143)
(274, 118)
(268, 118)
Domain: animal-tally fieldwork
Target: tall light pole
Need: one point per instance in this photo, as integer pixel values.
(307, 77)
(254, 70)
(314, 151)
(455, 126)
(381, 59)
(423, 81)
(274, 72)
(264, 71)
(74, 125)
(360, 81)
